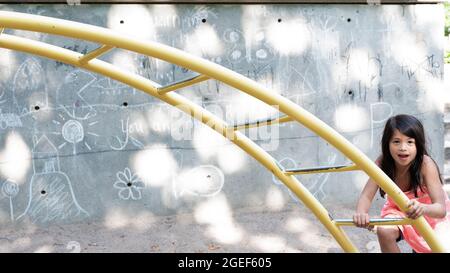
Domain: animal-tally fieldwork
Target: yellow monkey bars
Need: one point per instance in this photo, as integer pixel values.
(108, 39)
(376, 222)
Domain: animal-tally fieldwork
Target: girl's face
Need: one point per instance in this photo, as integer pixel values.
(402, 148)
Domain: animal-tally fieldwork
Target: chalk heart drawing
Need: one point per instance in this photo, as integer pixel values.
(203, 181)
(129, 185)
(51, 197)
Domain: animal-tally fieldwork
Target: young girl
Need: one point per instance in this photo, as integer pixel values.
(405, 160)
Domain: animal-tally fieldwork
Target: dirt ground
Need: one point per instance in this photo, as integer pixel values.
(293, 229)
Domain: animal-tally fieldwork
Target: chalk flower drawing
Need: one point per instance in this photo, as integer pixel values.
(129, 185)
(10, 188)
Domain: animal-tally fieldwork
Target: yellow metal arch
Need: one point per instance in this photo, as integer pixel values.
(208, 70)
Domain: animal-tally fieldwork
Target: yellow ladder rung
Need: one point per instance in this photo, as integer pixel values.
(183, 83)
(376, 222)
(282, 119)
(342, 168)
(95, 53)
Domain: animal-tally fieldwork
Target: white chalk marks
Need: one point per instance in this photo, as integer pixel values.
(317, 187)
(286, 163)
(10, 189)
(129, 185)
(203, 181)
(379, 113)
(9, 120)
(51, 196)
(319, 180)
(29, 87)
(122, 142)
(74, 246)
(253, 48)
(72, 92)
(74, 130)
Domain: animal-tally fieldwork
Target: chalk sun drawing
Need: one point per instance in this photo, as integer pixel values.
(74, 131)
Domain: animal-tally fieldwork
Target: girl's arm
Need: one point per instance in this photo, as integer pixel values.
(437, 194)
(361, 217)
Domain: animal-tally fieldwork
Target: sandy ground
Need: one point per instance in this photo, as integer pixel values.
(293, 229)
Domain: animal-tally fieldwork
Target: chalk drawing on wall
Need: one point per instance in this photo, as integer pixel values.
(254, 49)
(103, 91)
(51, 196)
(319, 180)
(74, 247)
(10, 189)
(74, 131)
(9, 120)
(71, 94)
(420, 69)
(302, 82)
(129, 185)
(29, 87)
(120, 143)
(379, 113)
(286, 163)
(197, 15)
(317, 187)
(202, 181)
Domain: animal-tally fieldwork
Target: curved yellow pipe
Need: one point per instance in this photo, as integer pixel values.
(212, 70)
(174, 99)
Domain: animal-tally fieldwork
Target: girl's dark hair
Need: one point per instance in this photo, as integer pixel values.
(413, 128)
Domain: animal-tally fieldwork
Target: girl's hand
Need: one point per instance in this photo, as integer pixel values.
(361, 220)
(415, 209)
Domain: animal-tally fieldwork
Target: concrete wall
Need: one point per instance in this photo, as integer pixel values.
(75, 146)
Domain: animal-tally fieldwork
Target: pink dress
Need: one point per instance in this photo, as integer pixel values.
(410, 234)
